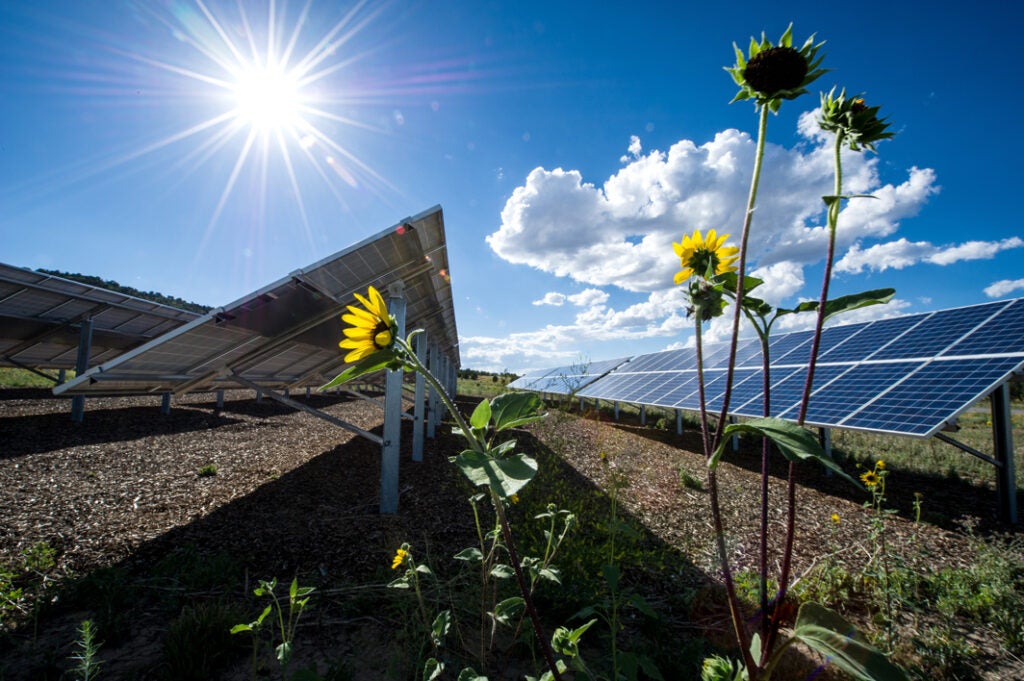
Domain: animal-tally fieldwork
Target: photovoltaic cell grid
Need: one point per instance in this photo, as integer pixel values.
(907, 375)
(41, 317)
(286, 334)
(565, 380)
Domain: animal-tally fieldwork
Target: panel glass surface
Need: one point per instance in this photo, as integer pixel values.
(936, 333)
(1002, 333)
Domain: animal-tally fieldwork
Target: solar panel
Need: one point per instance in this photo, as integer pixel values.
(909, 375)
(285, 335)
(41, 316)
(568, 379)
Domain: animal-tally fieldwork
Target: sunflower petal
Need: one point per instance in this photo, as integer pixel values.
(359, 322)
(380, 308)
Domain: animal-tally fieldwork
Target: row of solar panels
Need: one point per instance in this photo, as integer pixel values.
(283, 335)
(910, 375)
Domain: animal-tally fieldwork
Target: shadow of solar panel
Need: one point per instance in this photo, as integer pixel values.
(936, 332)
(1001, 333)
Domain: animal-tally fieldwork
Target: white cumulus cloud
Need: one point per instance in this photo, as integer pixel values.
(620, 233)
(551, 298)
(902, 253)
(1004, 287)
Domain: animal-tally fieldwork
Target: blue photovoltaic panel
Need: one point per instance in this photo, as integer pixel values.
(871, 339)
(1002, 333)
(790, 348)
(934, 393)
(568, 379)
(842, 389)
(909, 375)
(936, 333)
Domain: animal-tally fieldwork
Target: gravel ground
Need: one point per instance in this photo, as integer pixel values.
(293, 494)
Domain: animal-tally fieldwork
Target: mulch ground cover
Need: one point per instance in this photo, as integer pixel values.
(121, 500)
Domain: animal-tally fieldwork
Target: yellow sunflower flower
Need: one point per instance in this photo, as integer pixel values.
(835, 518)
(370, 328)
(399, 558)
(870, 479)
(880, 465)
(699, 254)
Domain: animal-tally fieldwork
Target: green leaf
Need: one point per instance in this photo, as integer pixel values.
(854, 301)
(439, 630)
(566, 641)
(611, 576)
(731, 281)
(471, 555)
(551, 574)
(831, 635)
(284, 653)
(469, 674)
(507, 610)
(638, 602)
(481, 415)
(795, 443)
(382, 359)
(502, 571)
(239, 628)
(504, 476)
(432, 669)
(515, 409)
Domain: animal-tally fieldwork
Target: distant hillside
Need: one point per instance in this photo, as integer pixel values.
(129, 291)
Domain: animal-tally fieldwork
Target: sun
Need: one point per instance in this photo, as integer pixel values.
(268, 98)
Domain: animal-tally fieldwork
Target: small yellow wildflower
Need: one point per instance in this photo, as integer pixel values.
(880, 465)
(870, 479)
(370, 328)
(514, 498)
(835, 518)
(399, 558)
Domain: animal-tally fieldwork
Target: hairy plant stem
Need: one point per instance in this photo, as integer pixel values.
(499, 509)
(766, 448)
(709, 447)
(716, 518)
(531, 610)
(832, 221)
(748, 217)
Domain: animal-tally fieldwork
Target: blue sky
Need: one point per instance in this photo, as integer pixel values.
(568, 143)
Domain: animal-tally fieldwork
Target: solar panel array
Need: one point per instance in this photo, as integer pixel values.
(286, 334)
(565, 380)
(41, 316)
(909, 375)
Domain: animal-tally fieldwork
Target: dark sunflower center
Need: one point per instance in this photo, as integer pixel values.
(703, 259)
(381, 335)
(776, 69)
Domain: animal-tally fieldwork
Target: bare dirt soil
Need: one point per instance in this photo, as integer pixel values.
(120, 498)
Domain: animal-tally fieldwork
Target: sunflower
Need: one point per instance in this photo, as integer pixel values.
(371, 330)
(772, 73)
(704, 256)
(399, 558)
(835, 519)
(852, 118)
(870, 479)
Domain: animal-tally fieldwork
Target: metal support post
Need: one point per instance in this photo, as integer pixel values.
(1002, 439)
(643, 414)
(419, 407)
(616, 405)
(581, 405)
(308, 391)
(259, 394)
(679, 421)
(62, 376)
(432, 393)
(392, 412)
(220, 399)
(81, 365)
(165, 404)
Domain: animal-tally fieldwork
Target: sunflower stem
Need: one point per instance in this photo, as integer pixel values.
(762, 129)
